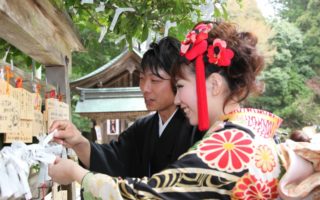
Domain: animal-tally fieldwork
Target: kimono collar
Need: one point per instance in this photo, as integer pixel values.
(261, 122)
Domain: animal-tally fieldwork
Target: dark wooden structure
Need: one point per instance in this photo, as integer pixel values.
(44, 32)
(111, 95)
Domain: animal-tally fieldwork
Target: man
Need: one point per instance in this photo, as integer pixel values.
(152, 142)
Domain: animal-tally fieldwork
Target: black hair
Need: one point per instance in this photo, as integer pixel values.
(161, 56)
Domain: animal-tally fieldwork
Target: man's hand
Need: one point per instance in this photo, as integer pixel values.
(67, 134)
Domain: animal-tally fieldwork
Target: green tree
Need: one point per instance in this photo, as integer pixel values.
(305, 15)
(149, 16)
(286, 93)
(19, 59)
(290, 10)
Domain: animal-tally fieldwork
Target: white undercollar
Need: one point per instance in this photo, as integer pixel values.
(163, 126)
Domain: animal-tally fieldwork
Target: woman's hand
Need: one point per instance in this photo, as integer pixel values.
(65, 171)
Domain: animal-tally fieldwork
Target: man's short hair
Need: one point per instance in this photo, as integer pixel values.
(162, 55)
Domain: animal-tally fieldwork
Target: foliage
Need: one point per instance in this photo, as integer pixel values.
(96, 55)
(149, 16)
(82, 123)
(249, 18)
(149, 19)
(19, 59)
(286, 93)
(305, 15)
(290, 10)
(309, 23)
(290, 49)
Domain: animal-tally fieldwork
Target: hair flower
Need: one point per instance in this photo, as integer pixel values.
(194, 37)
(190, 39)
(219, 54)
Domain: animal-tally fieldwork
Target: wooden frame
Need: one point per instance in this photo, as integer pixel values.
(45, 33)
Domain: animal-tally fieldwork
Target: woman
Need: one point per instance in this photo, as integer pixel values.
(236, 158)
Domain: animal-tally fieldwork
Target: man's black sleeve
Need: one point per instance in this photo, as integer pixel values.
(113, 159)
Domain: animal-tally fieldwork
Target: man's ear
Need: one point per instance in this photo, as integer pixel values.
(215, 83)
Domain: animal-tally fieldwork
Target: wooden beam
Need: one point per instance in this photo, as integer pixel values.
(38, 29)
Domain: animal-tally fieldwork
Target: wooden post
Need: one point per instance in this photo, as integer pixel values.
(43, 32)
(58, 76)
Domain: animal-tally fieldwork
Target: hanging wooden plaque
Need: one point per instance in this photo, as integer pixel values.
(37, 124)
(56, 110)
(2, 87)
(24, 133)
(9, 114)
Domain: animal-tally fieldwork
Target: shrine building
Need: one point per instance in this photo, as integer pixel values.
(110, 95)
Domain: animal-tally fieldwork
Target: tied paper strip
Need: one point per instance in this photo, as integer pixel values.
(101, 7)
(11, 65)
(4, 59)
(86, 1)
(2, 73)
(207, 10)
(39, 72)
(102, 33)
(168, 26)
(117, 14)
(149, 39)
(16, 161)
(117, 41)
(114, 21)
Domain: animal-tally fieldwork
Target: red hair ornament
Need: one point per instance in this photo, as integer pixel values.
(193, 47)
(218, 53)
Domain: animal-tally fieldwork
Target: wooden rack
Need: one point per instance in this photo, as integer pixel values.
(46, 34)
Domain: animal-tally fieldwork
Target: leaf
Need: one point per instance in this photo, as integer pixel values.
(145, 32)
(225, 12)
(217, 12)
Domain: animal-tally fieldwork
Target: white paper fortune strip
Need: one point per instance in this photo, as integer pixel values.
(102, 33)
(117, 41)
(2, 73)
(117, 14)
(101, 7)
(15, 163)
(86, 1)
(168, 26)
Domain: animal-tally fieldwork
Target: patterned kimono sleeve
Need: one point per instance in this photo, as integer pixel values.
(225, 164)
(174, 183)
(201, 173)
(100, 186)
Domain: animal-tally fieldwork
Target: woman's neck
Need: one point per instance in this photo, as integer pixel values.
(230, 107)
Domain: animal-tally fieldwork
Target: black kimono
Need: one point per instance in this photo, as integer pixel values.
(140, 151)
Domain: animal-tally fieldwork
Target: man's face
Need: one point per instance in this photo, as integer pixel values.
(157, 92)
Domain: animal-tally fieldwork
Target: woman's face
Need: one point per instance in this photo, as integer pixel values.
(186, 96)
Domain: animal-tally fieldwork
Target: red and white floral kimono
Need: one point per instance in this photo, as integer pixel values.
(236, 159)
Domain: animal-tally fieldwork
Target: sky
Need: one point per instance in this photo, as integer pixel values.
(265, 8)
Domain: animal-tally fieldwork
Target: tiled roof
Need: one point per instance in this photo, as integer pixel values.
(104, 100)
